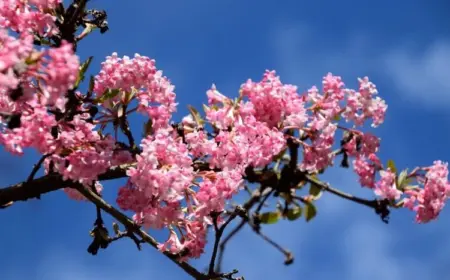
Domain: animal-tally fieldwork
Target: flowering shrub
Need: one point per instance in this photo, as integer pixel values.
(182, 176)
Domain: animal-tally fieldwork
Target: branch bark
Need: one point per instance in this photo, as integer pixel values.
(48, 183)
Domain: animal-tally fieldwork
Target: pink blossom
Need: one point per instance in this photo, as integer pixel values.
(429, 201)
(34, 131)
(172, 245)
(365, 172)
(333, 86)
(386, 187)
(12, 52)
(275, 102)
(130, 198)
(368, 144)
(250, 143)
(159, 215)
(20, 16)
(137, 77)
(163, 168)
(59, 75)
(362, 105)
(214, 96)
(199, 144)
(195, 239)
(214, 192)
(319, 154)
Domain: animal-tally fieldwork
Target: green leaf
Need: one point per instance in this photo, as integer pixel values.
(391, 166)
(32, 59)
(411, 187)
(294, 213)
(91, 84)
(269, 217)
(148, 128)
(82, 71)
(280, 155)
(402, 179)
(310, 211)
(108, 94)
(315, 191)
(116, 228)
(196, 115)
(337, 118)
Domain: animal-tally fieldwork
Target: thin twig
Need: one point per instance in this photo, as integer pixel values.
(218, 235)
(129, 234)
(246, 206)
(326, 187)
(36, 167)
(262, 202)
(125, 127)
(288, 255)
(130, 225)
(225, 241)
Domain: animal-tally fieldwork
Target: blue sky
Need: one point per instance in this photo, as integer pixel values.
(403, 46)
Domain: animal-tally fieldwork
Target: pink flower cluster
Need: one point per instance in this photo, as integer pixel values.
(30, 82)
(386, 187)
(13, 52)
(429, 201)
(366, 162)
(34, 130)
(362, 105)
(79, 153)
(251, 143)
(33, 86)
(274, 102)
(137, 77)
(28, 16)
(163, 177)
(58, 71)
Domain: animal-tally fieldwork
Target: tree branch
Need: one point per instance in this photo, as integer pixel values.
(239, 211)
(381, 207)
(287, 254)
(36, 167)
(48, 183)
(256, 195)
(224, 243)
(326, 187)
(131, 226)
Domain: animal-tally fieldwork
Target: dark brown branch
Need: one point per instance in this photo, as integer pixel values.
(225, 241)
(288, 255)
(52, 182)
(326, 187)
(239, 211)
(267, 192)
(381, 207)
(36, 167)
(217, 235)
(45, 184)
(246, 206)
(125, 127)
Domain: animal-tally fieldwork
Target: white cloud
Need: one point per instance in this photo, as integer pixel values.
(303, 58)
(421, 77)
(366, 248)
(370, 255)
